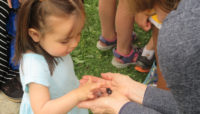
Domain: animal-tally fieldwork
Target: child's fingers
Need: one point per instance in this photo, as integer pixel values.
(107, 76)
(83, 81)
(91, 96)
(94, 79)
(86, 76)
(97, 93)
(90, 80)
(104, 92)
(96, 86)
(106, 84)
(102, 86)
(101, 83)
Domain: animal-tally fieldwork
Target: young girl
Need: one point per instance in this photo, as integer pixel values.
(47, 31)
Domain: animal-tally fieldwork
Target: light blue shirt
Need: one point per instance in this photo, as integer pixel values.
(34, 68)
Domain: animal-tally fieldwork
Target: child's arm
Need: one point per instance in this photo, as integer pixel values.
(42, 104)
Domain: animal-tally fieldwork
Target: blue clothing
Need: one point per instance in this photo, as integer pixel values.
(34, 68)
(11, 29)
(10, 26)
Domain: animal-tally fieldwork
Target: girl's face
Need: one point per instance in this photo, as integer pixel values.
(61, 39)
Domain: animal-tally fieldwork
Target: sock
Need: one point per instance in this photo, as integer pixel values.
(148, 53)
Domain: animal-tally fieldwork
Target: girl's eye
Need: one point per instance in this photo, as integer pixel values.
(64, 42)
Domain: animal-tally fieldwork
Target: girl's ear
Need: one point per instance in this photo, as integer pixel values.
(34, 34)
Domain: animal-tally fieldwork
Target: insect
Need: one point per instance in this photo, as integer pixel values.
(109, 91)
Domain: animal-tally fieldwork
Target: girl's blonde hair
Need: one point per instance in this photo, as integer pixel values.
(33, 14)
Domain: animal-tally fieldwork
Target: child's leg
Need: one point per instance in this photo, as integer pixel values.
(124, 55)
(124, 28)
(107, 11)
(148, 50)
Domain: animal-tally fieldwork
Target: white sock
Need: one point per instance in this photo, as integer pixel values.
(148, 53)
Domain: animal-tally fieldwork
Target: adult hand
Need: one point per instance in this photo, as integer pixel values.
(119, 82)
(142, 20)
(124, 84)
(107, 104)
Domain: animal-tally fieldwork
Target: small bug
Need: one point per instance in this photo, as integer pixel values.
(109, 91)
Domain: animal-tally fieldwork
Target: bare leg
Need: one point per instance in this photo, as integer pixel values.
(124, 28)
(148, 50)
(107, 12)
(150, 45)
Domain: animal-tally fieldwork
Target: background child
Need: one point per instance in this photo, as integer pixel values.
(9, 84)
(47, 31)
(117, 29)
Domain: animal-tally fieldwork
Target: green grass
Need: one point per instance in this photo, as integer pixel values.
(88, 60)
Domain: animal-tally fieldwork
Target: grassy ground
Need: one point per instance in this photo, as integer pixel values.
(89, 60)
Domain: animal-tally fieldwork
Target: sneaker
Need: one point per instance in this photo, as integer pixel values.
(143, 64)
(12, 89)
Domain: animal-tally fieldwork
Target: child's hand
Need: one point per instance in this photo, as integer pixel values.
(105, 105)
(142, 20)
(90, 90)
